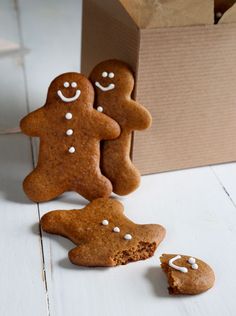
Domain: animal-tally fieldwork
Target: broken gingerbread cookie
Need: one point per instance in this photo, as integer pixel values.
(103, 234)
(113, 82)
(187, 275)
(70, 131)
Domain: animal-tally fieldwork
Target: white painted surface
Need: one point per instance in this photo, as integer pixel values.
(196, 206)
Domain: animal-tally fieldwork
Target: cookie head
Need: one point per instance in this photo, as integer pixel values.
(70, 88)
(186, 274)
(112, 76)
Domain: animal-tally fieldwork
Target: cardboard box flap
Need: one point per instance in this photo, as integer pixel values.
(159, 13)
(229, 16)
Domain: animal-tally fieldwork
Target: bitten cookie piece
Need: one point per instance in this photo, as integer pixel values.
(70, 131)
(187, 275)
(114, 82)
(103, 234)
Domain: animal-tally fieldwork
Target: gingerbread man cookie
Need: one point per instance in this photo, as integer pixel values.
(187, 275)
(70, 131)
(103, 234)
(114, 82)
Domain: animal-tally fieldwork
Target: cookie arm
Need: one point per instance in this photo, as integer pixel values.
(91, 255)
(106, 127)
(32, 123)
(138, 117)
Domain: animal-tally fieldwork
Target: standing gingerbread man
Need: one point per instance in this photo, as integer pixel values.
(114, 82)
(70, 130)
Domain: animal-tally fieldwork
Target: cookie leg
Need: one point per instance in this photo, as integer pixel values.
(97, 187)
(117, 166)
(125, 178)
(89, 256)
(40, 187)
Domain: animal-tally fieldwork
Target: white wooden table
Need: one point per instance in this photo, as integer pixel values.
(197, 207)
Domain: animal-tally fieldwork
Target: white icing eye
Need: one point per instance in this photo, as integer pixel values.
(191, 260)
(104, 74)
(127, 237)
(116, 229)
(194, 266)
(66, 84)
(105, 222)
(73, 84)
(100, 109)
(71, 150)
(111, 75)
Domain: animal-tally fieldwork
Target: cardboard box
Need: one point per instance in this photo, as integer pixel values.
(185, 76)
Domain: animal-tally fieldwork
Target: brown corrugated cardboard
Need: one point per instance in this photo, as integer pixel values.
(158, 13)
(108, 32)
(185, 76)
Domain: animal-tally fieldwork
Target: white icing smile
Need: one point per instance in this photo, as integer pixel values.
(107, 88)
(172, 265)
(65, 99)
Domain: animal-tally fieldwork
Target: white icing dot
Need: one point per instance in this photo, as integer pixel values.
(104, 74)
(69, 132)
(66, 84)
(71, 150)
(127, 237)
(191, 260)
(111, 75)
(218, 14)
(194, 266)
(100, 109)
(73, 84)
(105, 222)
(68, 116)
(116, 229)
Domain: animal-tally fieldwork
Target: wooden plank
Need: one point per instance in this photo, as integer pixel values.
(200, 221)
(11, 76)
(22, 285)
(140, 288)
(226, 175)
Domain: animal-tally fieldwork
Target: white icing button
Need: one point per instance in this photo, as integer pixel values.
(127, 237)
(66, 84)
(68, 116)
(218, 14)
(71, 149)
(111, 75)
(104, 74)
(105, 222)
(194, 266)
(69, 132)
(191, 260)
(73, 84)
(116, 229)
(100, 109)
